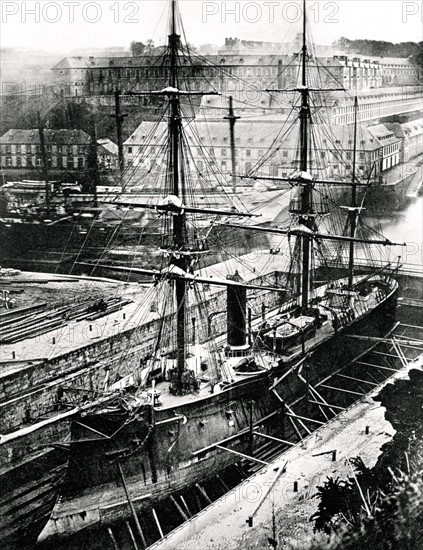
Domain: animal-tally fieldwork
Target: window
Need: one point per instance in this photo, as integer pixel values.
(248, 152)
(18, 161)
(80, 162)
(224, 152)
(285, 154)
(200, 165)
(39, 162)
(223, 166)
(8, 161)
(128, 73)
(323, 154)
(29, 161)
(129, 150)
(247, 167)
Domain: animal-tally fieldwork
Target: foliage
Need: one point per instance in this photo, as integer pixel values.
(379, 48)
(395, 524)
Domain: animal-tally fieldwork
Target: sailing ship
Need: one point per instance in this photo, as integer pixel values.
(191, 407)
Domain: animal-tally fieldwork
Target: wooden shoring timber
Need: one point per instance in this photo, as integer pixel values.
(384, 354)
(343, 390)
(242, 454)
(186, 506)
(178, 507)
(305, 418)
(376, 366)
(295, 427)
(407, 342)
(131, 535)
(397, 347)
(374, 379)
(156, 519)
(113, 538)
(238, 435)
(411, 326)
(300, 422)
(317, 395)
(266, 494)
(131, 504)
(272, 438)
(202, 491)
(357, 379)
(328, 405)
(292, 369)
(222, 483)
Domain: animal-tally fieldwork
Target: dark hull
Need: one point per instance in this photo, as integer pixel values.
(176, 455)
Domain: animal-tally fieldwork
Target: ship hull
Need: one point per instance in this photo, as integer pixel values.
(181, 450)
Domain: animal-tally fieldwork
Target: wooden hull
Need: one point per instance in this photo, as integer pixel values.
(180, 451)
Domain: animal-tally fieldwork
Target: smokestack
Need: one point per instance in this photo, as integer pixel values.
(236, 313)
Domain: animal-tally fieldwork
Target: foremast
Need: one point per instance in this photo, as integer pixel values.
(306, 204)
(176, 175)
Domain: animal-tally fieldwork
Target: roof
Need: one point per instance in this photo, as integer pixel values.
(252, 133)
(108, 144)
(56, 137)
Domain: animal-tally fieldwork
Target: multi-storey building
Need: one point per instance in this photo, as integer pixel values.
(263, 148)
(66, 150)
(229, 71)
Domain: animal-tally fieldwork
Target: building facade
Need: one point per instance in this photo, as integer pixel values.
(67, 150)
(262, 148)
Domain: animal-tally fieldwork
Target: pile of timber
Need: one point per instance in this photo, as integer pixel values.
(28, 322)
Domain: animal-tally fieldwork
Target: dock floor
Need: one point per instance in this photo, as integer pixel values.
(223, 525)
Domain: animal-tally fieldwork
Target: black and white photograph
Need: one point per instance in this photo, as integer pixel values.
(211, 275)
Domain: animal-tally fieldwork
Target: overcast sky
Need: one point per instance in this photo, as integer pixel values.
(63, 25)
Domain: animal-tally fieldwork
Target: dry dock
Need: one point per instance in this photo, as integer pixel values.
(224, 524)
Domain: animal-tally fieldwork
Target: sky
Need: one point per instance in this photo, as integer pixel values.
(64, 25)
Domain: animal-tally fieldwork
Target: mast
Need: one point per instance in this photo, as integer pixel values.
(177, 180)
(232, 119)
(44, 159)
(306, 187)
(119, 118)
(93, 162)
(353, 211)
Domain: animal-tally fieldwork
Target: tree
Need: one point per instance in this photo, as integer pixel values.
(137, 49)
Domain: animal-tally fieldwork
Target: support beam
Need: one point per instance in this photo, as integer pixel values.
(182, 513)
(356, 379)
(203, 492)
(131, 535)
(376, 366)
(266, 494)
(223, 483)
(242, 455)
(275, 439)
(186, 506)
(342, 390)
(156, 519)
(295, 428)
(112, 536)
(301, 423)
(384, 354)
(305, 418)
(130, 503)
(327, 405)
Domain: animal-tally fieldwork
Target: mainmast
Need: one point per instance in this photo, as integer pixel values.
(305, 217)
(353, 210)
(177, 185)
(232, 119)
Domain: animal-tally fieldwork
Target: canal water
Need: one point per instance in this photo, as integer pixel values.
(404, 225)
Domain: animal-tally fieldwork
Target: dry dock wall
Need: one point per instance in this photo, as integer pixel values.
(32, 392)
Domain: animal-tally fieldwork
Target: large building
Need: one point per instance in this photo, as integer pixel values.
(263, 148)
(67, 150)
(235, 66)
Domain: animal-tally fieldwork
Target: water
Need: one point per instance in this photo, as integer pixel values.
(404, 225)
